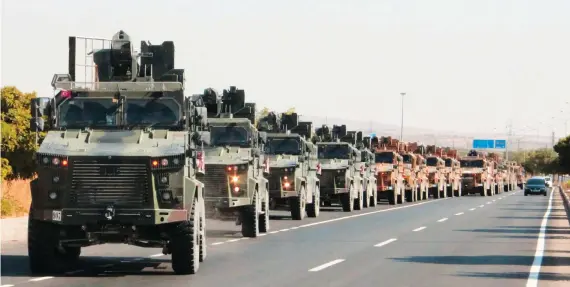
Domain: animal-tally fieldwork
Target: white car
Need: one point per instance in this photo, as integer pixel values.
(548, 181)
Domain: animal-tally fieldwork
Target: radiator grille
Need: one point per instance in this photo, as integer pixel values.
(101, 181)
(215, 181)
(327, 178)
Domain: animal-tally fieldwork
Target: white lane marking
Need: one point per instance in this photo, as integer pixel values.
(472, 209)
(283, 230)
(459, 213)
(481, 205)
(494, 200)
(295, 227)
(160, 254)
(326, 265)
(420, 228)
(7, 285)
(138, 259)
(233, 240)
(371, 212)
(488, 202)
(72, 272)
(125, 261)
(273, 232)
(442, 220)
(537, 263)
(105, 265)
(385, 242)
(40, 279)
(262, 234)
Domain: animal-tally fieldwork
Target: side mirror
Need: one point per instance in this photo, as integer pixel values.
(255, 152)
(37, 124)
(40, 106)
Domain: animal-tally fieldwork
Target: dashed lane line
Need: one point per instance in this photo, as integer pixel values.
(385, 242)
(283, 230)
(482, 205)
(460, 213)
(6, 285)
(326, 265)
(472, 209)
(442, 220)
(419, 228)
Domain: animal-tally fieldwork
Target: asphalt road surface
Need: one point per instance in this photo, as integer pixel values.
(467, 241)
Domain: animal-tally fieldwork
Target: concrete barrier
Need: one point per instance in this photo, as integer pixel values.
(566, 200)
(14, 229)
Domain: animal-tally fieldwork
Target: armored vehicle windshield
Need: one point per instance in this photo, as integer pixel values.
(431, 161)
(283, 145)
(407, 158)
(100, 110)
(448, 162)
(231, 135)
(471, 163)
(384, 157)
(334, 151)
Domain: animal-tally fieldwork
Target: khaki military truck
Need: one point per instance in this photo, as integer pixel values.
(475, 174)
(422, 175)
(410, 171)
(120, 159)
(293, 181)
(390, 170)
(453, 171)
(368, 170)
(437, 173)
(340, 180)
(496, 174)
(236, 166)
(511, 176)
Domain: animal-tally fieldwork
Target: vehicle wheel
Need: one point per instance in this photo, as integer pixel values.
(374, 198)
(264, 217)
(525, 194)
(313, 209)
(203, 245)
(443, 193)
(401, 195)
(359, 201)
(184, 243)
(43, 252)
(483, 192)
(435, 192)
(347, 201)
(366, 199)
(544, 193)
(250, 218)
(392, 197)
(298, 205)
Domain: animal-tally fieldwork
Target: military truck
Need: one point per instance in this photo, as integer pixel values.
(511, 175)
(475, 175)
(436, 170)
(119, 161)
(293, 182)
(236, 166)
(390, 170)
(340, 179)
(409, 170)
(453, 171)
(422, 171)
(493, 161)
(368, 170)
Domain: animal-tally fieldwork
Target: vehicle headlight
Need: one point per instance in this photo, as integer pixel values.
(235, 179)
(52, 195)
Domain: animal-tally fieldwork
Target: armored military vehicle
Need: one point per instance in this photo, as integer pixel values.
(236, 187)
(475, 175)
(453, 170)
(340, 179)
(293, 182)
(422, 175)
(367, 170)
(390, 167)
(437, 175)
(409, 170)
(119, 161)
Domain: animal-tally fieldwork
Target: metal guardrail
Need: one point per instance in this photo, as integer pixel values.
(566, 201)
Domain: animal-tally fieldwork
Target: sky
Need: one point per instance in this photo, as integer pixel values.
(472, 66)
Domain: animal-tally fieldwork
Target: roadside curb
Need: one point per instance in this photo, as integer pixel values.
(566, 201)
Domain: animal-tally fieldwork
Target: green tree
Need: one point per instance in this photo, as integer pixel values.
(18, 142)
(562, 148)
(540, 161)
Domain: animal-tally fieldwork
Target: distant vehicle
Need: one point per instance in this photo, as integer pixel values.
(548, 180)
(536, 185)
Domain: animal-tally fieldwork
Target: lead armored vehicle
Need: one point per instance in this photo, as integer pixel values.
(119, 161)
(236, 167)
(293, 182)
(475, 176)
(390, 170)
(340, 179)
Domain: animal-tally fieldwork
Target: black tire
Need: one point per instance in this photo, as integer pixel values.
(250, 218)
(264, 217)
(525, 194)
(435, 192)
(366, 199)
(313, 209)
(374, 198)
(297, 205)
(359, 201)
(482, 192)
(43, 253)
(347, 201)
(184, 243)
(401, 197)
(203, 241)
(392, 197)
(544, 193)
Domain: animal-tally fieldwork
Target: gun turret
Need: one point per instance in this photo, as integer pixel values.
(289, 121)
(324, 134)
(233, 104)
(269, 123)
(375, 143)
(349, 137)
(367, 142)
(304, 129)
(421, 149)
(473, 153)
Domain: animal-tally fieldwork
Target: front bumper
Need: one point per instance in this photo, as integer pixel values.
(85, 216)
(226, 202)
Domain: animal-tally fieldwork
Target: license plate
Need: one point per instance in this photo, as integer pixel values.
(56, 215)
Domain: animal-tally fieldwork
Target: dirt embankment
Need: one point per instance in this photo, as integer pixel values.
(16, 198)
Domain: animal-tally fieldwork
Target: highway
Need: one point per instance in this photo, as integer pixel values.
(466, 241)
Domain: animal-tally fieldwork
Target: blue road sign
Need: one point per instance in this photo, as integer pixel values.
(372, 135)
(502, 144)
(483, 143)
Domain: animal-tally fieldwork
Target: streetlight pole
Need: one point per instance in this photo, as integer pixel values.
(402, 122)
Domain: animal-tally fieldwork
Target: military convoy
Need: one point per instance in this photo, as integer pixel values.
(128, 158)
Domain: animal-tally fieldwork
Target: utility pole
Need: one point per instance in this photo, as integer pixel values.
(508, 138)
(402, 122)
(553, 139)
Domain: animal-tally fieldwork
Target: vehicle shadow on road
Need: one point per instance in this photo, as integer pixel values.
(92, 266)
(516, 275)
(218, 233)
(521, 260)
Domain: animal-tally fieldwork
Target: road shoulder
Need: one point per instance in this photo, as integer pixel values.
(555, 269)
